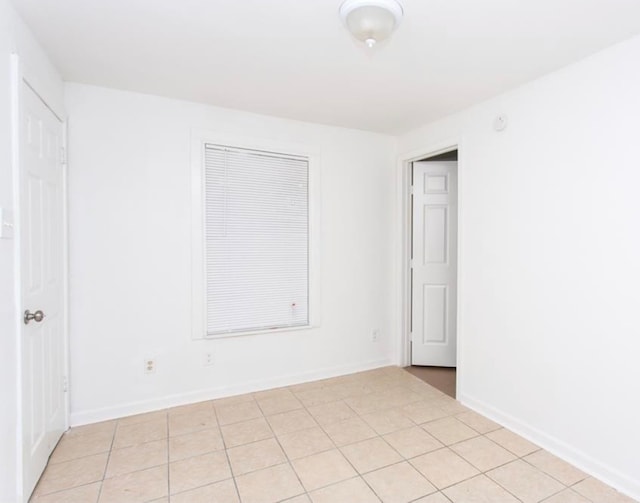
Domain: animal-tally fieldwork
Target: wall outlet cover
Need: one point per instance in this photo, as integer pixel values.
(149, 366)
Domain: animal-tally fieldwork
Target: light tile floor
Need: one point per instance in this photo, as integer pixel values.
(382, 435)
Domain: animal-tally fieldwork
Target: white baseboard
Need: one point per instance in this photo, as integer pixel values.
(79, 418)
(623, 483)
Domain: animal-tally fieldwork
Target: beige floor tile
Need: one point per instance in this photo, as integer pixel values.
(387, 421)
(479, 423)
(558, 469)
(276, 405)
(139, 433)
(333, 412)
(365, 404)
(255, 456)
(145, 485)
(567, 496)
(306, 386)
(303, 498)
(92, 429)
(220, 492)
(443, 468)
(228, 400)
(434, 498)
(268, 394)
(399, 483)
(450, 405)
(398, 396)
(246, 432)
(478, 490)
(449, 430)
(316, 396)
(354, 385)
(350, 390)
(598, 492)
(526, 482)
(371, 454)
(352, 491)
(323, 469)
(78, 446)
(137, 457)
(512, 442)
(198, 471)
(305, 442)
(192, 408)
(425, 391)
(412, 442)
(237, 412)
(181, 424)
(156, 415)
(350, 431)
(422, 412)
(194, 444)
(288, 422)
(269, 485)
(483, 453)
(68, 474)
(83, 494)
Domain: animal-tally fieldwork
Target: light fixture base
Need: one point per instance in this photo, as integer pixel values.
(371, 21)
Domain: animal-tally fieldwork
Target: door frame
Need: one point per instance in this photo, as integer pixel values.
(20, 79)
(403, 274)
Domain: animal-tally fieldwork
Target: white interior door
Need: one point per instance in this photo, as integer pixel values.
(434, 268)
(42, 286)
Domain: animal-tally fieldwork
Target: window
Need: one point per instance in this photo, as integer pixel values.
(254, 244)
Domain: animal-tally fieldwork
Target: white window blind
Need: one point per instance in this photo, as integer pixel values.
(257, 235)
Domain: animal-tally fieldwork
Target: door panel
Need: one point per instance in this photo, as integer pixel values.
(42, 270)
(434, 327)
(434, 268)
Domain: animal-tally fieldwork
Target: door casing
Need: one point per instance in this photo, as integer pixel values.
(403, 270)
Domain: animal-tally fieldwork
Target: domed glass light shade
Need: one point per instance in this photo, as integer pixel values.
(371, 21)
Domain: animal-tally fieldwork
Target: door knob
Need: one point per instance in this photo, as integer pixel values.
(38, 316)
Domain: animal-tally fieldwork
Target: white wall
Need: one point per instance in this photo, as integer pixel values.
(14, 38)
(129, 176)
(550, 260)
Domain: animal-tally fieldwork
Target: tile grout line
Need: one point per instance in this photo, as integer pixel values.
(106, 466)
(356, 471)
(226, 453)
(289, 463)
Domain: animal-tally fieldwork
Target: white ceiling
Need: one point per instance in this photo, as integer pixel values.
(294, 59)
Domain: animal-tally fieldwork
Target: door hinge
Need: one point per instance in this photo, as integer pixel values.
(412, 190)
(65, 384)
(63, 155)
(410, 336)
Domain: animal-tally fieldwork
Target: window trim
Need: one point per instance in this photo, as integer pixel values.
(198, 245)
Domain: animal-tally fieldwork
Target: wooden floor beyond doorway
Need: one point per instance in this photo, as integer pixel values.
(442, 378)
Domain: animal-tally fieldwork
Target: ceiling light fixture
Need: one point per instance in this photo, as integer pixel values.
(371, 21)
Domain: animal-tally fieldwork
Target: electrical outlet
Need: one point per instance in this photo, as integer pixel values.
(375, 335)
(149, 366)
(208, 359)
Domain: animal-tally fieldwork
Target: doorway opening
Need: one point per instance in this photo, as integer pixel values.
(433, 269)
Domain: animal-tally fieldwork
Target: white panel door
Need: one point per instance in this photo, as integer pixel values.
(434, 268)
(42, 270)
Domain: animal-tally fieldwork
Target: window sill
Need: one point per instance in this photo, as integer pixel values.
(258, 332)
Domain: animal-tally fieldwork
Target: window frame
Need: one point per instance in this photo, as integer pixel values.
(199, 139)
